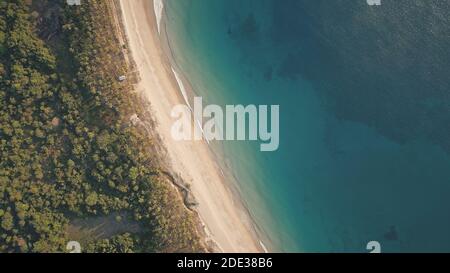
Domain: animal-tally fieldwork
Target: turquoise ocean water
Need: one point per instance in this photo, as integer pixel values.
(364, 115)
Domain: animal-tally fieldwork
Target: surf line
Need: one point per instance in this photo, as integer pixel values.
(242, 123)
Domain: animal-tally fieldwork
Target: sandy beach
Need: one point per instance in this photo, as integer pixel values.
(225, 219)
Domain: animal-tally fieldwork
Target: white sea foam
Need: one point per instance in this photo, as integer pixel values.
(182, 88)
(158, 7)
(263, 247)
(183, 92)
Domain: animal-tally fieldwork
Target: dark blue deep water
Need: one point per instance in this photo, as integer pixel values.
(364, 95)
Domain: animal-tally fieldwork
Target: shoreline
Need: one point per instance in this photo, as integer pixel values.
(225, 220)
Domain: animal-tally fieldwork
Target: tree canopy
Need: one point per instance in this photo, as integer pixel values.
(66, 147)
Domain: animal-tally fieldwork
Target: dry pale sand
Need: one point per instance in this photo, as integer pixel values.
(226, 221)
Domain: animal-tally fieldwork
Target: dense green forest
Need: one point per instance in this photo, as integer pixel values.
(68, 151)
